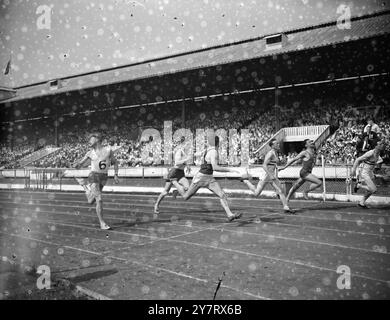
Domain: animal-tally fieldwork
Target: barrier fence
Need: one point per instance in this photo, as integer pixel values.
(335, 178)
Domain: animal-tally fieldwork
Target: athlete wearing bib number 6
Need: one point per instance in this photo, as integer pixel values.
(101, 158)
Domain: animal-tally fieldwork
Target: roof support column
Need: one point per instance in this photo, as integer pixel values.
(183, 114)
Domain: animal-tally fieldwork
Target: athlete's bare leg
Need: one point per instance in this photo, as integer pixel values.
(192, 190)
(370, 188)
(294, 188)
(279, 190)
(315, 183)
(99, 205)
(256, 190)
(217, 190)
(182, 186)
(162, 195)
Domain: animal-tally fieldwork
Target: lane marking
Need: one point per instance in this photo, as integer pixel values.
(205, 213)
(179, 274)
(287, 261)
(218, 227)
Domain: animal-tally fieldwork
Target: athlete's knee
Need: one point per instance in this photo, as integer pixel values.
(99, 202)
(278, 190)
(222, 196)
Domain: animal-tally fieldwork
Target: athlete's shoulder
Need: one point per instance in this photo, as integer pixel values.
(271, 153)
(179, 151)
(369, 153)
(108, 149)
(212, 153)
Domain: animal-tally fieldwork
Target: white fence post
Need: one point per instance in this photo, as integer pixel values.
(323, 178)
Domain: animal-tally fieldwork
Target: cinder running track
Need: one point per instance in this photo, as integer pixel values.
(183, 253)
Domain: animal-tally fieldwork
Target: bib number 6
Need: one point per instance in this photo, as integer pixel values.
(102, 165)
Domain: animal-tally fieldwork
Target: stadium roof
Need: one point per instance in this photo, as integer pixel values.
(6, 93)
(296, 40)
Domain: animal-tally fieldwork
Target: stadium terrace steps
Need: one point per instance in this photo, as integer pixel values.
(317, 133)
(37, 155)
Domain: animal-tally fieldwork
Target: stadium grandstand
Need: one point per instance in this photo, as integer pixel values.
(251, 84)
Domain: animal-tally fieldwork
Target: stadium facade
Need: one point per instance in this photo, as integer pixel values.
(325, 58)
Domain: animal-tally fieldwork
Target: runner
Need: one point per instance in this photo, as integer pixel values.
(204, 178)
(176, 175)
(308, 157)
(101, 158)
(369, 160)
(271, 170)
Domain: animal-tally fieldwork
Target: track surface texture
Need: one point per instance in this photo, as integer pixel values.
(190, 248)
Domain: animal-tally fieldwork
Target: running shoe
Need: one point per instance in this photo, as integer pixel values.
(105, 226)
(233, 217)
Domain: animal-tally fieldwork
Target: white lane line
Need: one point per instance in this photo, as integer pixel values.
(207, 214)
(179, 274)
(63, 223)
(216, 217)
(218, 229)
(309, 265)
(90, 225)
(129, 194)
(300, 263)
(161, 239)
(232, 199)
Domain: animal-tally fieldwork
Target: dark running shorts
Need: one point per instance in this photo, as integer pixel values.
(304, 173)
(175, 174)
(98, 178)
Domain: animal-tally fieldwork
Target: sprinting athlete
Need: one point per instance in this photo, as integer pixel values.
(101, 158)
(308, 157)
(369, 160)
(270, 168)
(205, 179)
(176, 175)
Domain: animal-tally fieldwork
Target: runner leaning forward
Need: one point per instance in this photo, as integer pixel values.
(205, 179)
(271, 170)
(101, 158)
(369, 160)
(176, 174)
(309, 158)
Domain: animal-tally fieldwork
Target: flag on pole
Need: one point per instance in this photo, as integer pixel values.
(8, 67)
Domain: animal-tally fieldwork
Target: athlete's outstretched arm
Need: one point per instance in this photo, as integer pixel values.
(78, 164)
(293, 160)
(216, 167)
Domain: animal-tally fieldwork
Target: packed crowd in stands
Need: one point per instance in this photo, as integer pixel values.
(9, 157)
(348, 125)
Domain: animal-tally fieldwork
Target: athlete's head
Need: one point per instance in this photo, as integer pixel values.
(309, 143)
(370, 121)
(183, 142)
(274, 144)
(380, 145)
(212, 139)
(94, 138)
